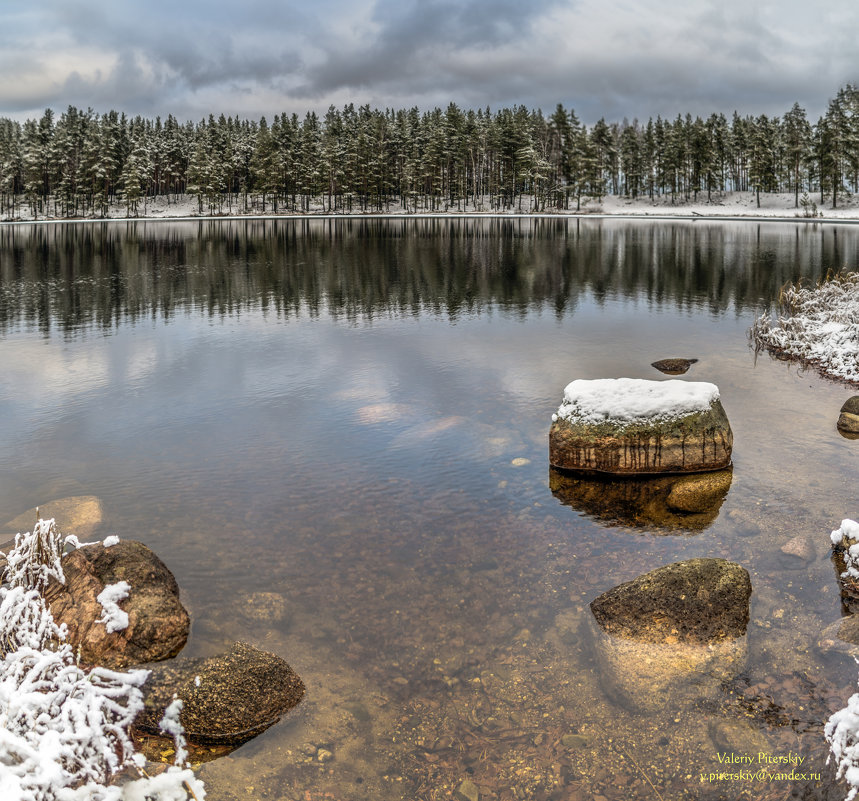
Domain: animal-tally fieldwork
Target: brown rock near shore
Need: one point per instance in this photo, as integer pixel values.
(226, 699)
(157, 622)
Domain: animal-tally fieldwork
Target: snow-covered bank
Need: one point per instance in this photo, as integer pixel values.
(818, 325)
(65, 732)
(728, 205)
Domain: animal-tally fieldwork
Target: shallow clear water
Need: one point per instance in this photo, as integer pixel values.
(354, 415)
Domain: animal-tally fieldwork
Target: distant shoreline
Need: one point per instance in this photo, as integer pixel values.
(729, 207)
(443, 216)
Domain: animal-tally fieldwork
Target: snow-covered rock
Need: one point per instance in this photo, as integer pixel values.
(634, 426)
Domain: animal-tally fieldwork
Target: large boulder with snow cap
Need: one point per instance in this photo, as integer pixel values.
(633, 426)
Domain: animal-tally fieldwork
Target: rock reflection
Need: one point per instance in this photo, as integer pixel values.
(676, 503)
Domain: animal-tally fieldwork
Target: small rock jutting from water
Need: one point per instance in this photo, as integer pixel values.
(673, 366)
(631, 426)
(848, 420)
(227, 699)
(158, 624)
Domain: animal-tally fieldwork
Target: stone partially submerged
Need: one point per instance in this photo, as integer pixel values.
(227, 699)
(631, 426)
(673, 635)
(697, 600)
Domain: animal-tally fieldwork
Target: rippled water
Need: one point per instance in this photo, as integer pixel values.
(353, 416)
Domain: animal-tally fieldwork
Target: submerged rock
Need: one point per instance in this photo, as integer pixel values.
(632, 426)
(842, 636)
(695, 601)
(673, 366)
(157, 622)
(672, 635)
(674, 503)
(697, 493)
(78, 514)
(227, 699)
(652, 676)
(736, 736)
(801, 549)
(848, 420)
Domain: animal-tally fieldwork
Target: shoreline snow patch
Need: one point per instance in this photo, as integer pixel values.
(818, 325)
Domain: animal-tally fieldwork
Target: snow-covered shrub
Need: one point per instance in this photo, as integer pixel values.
(846, 540)
(842, 728)
(35, 559)
(842, 734)
(818, 325)
(64, 731)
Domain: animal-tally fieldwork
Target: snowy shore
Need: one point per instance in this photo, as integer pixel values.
(728, 206)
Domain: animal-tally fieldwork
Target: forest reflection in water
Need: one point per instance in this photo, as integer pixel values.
(352, 415)
(70, 276)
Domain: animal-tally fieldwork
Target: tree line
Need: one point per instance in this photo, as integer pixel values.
(363, 159)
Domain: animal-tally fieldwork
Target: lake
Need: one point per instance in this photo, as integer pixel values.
(346, 423)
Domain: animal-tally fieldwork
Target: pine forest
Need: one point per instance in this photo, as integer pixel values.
(366, 160)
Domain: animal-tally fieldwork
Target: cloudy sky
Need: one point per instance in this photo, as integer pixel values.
(612, 58)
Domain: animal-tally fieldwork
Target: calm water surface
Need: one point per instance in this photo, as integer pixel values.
(352, 418)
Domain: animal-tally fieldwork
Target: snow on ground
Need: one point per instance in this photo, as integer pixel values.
(633, 399)
(726, 204)
(818, 325)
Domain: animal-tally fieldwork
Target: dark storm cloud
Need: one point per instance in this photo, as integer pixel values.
(611, 58)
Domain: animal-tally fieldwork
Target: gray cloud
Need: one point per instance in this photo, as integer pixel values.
(610, 58)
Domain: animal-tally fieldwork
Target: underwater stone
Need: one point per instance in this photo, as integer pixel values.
(666, 503)
(631, 426)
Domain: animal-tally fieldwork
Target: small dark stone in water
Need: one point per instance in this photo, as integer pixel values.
(848, 421)
(673, 366)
